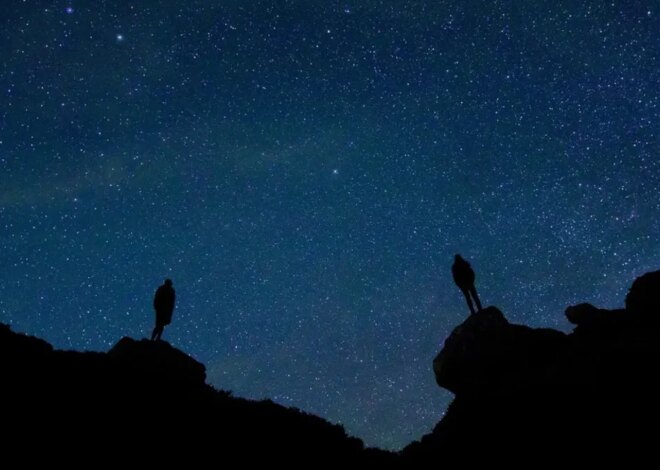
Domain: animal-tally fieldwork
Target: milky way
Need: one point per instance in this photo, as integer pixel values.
(305, 172)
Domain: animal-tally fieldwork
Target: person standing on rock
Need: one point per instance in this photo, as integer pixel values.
(464, 279)
(164, 306)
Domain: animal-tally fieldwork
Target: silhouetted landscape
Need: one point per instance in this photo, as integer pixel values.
(533, 395)
(247, 228)
(520, 393)
(147, 400)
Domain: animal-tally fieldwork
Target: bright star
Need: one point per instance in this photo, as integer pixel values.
(120, 37)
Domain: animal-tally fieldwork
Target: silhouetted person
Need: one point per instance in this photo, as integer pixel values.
(164, 306)
(464, 279)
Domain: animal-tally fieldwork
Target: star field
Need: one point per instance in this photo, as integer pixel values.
(305, 172)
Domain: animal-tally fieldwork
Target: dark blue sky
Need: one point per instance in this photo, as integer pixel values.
(305, 171)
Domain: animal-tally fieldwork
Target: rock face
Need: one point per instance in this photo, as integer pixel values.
(484, 354)
(644, 296)
(146, 403)
(586, 314)
(524, 392)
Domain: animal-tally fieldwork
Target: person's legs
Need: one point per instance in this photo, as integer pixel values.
(473, 291)
(468, 299)
(156, 333)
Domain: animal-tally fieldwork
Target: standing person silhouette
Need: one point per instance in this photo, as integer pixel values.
(464, 279)
(164, 306)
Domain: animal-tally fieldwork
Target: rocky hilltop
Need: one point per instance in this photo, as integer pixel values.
(523, 396)
(524, 393)
(146, 402)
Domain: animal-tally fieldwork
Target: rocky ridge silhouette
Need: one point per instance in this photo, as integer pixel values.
(521, 394)
(146, 401)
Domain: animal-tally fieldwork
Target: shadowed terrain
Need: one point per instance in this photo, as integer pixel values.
(147, 402)
(521, 394)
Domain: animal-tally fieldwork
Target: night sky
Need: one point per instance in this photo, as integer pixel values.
(305, 172)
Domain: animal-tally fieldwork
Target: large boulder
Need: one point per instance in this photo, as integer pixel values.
(644, 296)
(488, 354)
(584, 314)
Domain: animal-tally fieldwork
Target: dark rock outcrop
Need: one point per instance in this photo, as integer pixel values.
(644, 296)
(586, 314)
(147, 403)
(483, 354)
(523, 396)
(522, 393)
(158, 359)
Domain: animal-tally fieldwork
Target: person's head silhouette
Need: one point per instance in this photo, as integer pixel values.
(168, 282)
